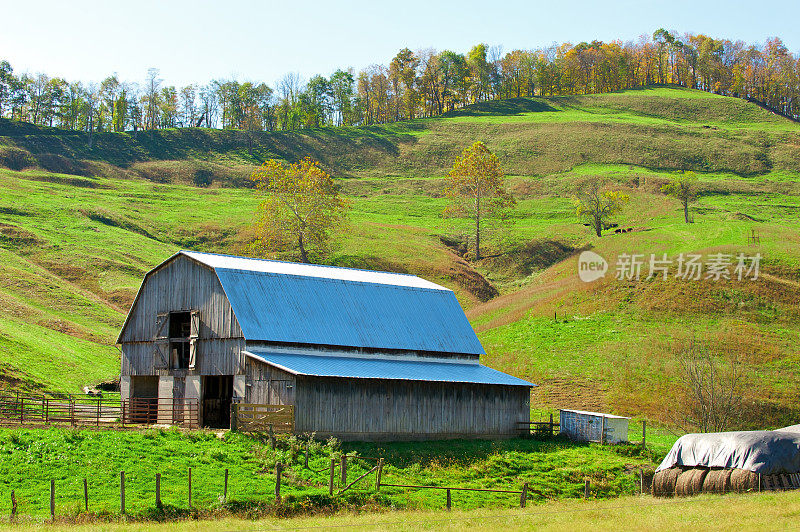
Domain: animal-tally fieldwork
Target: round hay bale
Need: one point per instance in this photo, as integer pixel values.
(697, 480)
(718, 481)
(690, 482)
(664, 482)
(682, 484)
(743, 480)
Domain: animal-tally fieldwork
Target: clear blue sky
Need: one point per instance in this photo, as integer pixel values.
(195, 41)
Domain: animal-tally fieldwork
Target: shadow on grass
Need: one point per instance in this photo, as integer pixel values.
(404, 454)
(515, 106)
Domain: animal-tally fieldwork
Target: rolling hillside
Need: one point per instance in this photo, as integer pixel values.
(79, 227)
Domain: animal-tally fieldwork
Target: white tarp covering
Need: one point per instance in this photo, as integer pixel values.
(769, 452)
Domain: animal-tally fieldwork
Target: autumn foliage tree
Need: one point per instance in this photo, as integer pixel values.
(476, 189)
(682, 187)
(301, 208)
(415, 84)
(595, 204)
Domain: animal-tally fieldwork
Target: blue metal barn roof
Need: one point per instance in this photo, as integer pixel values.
(384, 368)
(299, 303)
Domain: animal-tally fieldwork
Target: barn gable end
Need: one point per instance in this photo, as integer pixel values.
(182, 283)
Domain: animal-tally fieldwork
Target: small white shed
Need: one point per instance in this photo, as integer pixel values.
(580, 425)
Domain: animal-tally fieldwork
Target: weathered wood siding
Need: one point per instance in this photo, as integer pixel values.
(267, 385)
(214, 357)
(183, 284)
(361, 409)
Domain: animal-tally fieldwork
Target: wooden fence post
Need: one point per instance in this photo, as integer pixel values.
(308, 445)
(99, 409)
(225, 493)
(234, 417)
(271, 437)
(47, 410)
(21, 409)
(379, 475)
(333, 469)
(86, 494)
(278, 471)
(13, 505)
(158, 490)
(586, 489)
(190, 488)
(344, 470)
(449, 501)
(52, 499)
(644, 433)
(523, 498)
(122, 492)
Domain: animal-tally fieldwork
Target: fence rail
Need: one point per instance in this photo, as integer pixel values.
(150, 411)
(538, 428)
(105, 411)
(246, 417)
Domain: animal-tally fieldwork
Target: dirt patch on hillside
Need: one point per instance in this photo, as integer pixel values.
(12, 308)
(15, 238)
(193, 172)
(569, 392)
(515, 306)
(762, 300)
(112, 220)
(369, 262)
(82, 278)
(520, 260)
(470, 280)
(212, 237)
(121, 298)
(15, 158)
(524, 259)
(12, 378)
(70, 329)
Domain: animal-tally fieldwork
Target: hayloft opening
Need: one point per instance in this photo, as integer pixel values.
(180, 326)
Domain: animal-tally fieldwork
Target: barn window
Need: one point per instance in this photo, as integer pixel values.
(183, 333)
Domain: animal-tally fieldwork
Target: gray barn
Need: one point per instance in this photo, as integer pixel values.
(359, 354)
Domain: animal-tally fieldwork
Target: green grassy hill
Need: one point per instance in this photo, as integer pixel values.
(664, 128)
(79, 227)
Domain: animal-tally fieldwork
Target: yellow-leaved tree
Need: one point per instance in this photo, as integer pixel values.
(476, 189)
(301, 208)
(596, 204)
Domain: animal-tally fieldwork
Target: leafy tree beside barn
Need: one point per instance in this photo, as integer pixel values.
(476, 189)
(301, 208)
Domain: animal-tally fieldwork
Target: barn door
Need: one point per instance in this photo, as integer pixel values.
(161, 342)
(194, 333)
